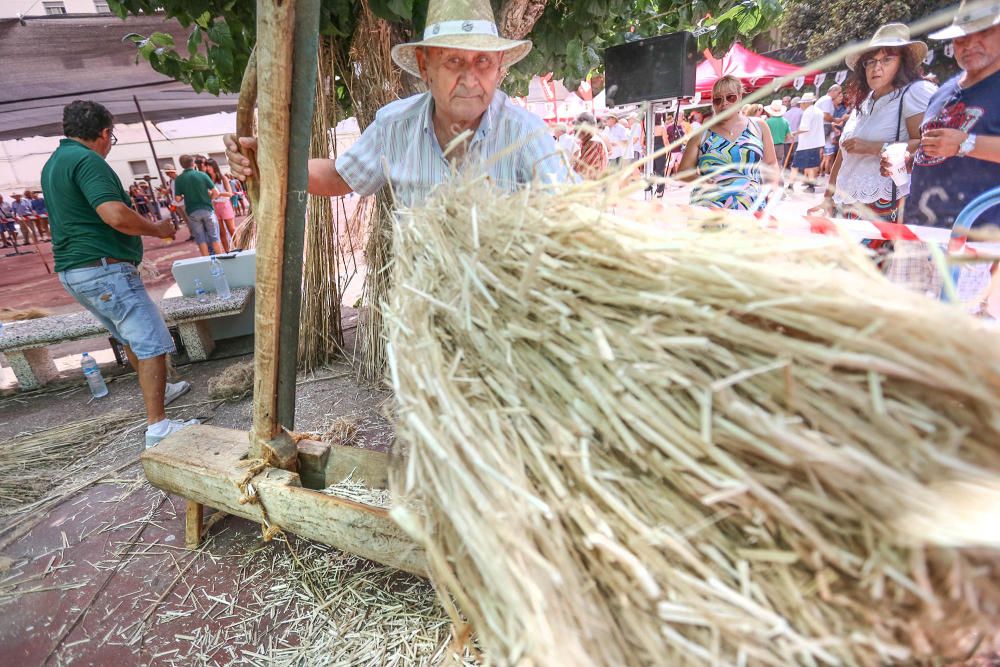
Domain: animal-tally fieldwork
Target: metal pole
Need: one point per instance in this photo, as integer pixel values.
(156, 160)
(306, 38)
(650, 126)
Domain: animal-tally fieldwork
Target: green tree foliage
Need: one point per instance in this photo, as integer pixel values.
(823, 27)
(569, 36)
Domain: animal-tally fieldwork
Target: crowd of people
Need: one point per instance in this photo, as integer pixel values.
(749, 152)
(26, 214)
(888, 145)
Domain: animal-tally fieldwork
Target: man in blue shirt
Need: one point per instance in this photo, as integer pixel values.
(41, 214)
(25, 217)
(959, 154)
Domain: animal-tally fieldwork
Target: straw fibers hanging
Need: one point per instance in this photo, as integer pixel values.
(639, 438)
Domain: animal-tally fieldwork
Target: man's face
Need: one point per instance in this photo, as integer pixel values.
(612, 122)
(836, 94)
(461, 82)
(104, 142)
(786, 100)
(978, 51)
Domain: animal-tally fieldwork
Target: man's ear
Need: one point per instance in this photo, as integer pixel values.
(421, 54)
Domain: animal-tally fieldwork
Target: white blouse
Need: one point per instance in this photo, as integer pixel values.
(859, 179)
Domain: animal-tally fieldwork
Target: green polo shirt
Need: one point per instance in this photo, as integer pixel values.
(194, 185)
(76, 180)
(779, 129)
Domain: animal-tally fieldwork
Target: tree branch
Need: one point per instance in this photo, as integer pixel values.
(518, 17)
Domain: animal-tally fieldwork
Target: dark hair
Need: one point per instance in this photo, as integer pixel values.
(216, 170)
(856, 87)
(86, 120)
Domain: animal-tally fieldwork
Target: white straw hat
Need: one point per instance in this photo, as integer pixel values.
(888, 36)
(972, 17)
(807, 97)
(461, 24)
(775, 108)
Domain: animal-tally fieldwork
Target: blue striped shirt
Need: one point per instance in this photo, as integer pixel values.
(512, 146)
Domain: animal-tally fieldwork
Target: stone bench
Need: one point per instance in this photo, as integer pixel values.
(25, 343)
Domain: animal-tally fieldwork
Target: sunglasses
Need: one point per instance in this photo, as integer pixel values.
(732, 98)
(114, 139)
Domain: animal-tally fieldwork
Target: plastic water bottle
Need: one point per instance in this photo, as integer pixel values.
(93, 374)
(219, 277)
(199, 291)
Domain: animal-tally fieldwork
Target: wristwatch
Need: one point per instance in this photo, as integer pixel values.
(967, 146)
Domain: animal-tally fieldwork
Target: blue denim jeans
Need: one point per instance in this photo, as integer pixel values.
(118, 299)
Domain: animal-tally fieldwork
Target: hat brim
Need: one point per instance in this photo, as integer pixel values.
(969, 28)
(775, 112)
(405, 55)
(918, 48)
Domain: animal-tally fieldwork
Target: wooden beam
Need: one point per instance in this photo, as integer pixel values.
(193, 515)
(275, 25)
(206, 464)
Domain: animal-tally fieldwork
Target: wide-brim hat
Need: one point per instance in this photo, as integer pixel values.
(461, 24)
(971, 17)
(807, 97)
(775, 108)
(891, 35)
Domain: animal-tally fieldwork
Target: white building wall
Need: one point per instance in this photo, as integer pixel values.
(15, 8)
(21, 160)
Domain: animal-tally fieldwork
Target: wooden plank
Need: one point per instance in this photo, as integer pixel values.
(205, 464)
(193, 515)
(312, 463)
(367, 465)
(275, 24)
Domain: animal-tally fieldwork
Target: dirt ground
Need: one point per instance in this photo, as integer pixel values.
(100, 576)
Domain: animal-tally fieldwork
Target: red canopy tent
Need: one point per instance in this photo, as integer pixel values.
(753, 69)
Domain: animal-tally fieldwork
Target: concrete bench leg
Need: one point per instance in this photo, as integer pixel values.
(32, 368)
(197, 339)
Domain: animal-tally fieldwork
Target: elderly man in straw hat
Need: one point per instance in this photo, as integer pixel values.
(462, 123)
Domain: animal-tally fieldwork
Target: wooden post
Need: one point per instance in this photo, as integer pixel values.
(193, 516)
(278, 121)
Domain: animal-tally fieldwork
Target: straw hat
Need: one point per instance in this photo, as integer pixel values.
(775, 108)
(888, 36)
(972, 17)
(461, 24)
(807, 97)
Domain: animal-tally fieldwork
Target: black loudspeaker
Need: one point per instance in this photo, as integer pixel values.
(657, 68)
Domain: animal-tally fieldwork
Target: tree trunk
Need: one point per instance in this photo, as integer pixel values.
(518, 17)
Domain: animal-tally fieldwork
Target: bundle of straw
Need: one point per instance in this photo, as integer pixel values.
(637, 445)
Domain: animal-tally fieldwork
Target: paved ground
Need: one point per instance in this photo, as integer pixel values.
(101, 577)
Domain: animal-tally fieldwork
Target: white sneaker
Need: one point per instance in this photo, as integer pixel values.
(175, 390)
(154, 435)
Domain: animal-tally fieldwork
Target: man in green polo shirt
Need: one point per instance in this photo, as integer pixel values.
(198, 191)
(97, 245)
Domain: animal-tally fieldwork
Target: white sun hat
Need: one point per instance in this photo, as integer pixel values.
(891, 35)
(972, 17)
(461, 24)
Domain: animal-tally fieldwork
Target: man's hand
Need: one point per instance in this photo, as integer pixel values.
(164, 229)
(239, 151)
(942, 142)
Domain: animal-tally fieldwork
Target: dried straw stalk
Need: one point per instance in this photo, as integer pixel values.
(372, 82)
(638, 445)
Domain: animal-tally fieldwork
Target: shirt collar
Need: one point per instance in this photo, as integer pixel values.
(487, 123)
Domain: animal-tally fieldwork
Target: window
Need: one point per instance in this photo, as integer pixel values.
(220, 158)
(138, 167)
(167, 164)
(101, 7)
(53, 8)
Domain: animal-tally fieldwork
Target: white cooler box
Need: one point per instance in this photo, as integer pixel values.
(241, 271)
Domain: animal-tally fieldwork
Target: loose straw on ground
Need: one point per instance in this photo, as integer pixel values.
(646, 437)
